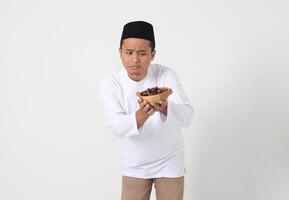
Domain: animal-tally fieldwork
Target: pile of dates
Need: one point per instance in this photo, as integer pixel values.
(152, 91)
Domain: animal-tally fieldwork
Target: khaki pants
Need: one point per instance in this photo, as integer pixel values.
(140, 189)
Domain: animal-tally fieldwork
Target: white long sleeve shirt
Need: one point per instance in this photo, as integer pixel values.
(156, 149)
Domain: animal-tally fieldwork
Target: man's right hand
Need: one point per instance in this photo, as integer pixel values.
(144, 112)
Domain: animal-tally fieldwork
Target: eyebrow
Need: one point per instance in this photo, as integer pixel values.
(141, 50)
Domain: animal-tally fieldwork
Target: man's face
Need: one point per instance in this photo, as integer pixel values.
(136, 55)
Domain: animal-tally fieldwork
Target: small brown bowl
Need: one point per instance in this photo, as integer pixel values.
(162, 96)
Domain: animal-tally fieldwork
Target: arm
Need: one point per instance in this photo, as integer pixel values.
(123, 124)
(179, 111)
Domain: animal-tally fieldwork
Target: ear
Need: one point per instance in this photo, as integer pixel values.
(153, 54)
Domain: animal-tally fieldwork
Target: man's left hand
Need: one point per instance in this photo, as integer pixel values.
(161, 106)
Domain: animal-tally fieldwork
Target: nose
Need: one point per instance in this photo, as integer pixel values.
(135, 58)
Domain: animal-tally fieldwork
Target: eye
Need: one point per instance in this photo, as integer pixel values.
(128, 53)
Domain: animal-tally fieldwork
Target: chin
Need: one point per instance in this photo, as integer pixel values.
(135, 76)
(135, 72)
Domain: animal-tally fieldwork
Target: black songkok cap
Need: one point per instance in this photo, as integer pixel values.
(138, 29)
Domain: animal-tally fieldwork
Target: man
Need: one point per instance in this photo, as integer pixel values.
(153, 147)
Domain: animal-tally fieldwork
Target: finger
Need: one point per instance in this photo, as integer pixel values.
(151, 112)
(139, 101)
(138, 94)
(146, 107)
(160, 103)
(163, 103)
(155, 106)
(143, 104)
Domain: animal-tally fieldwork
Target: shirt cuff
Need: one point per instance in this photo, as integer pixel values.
(164, 118)
(140, 129)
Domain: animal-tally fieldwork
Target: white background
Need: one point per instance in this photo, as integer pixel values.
(232, 58)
